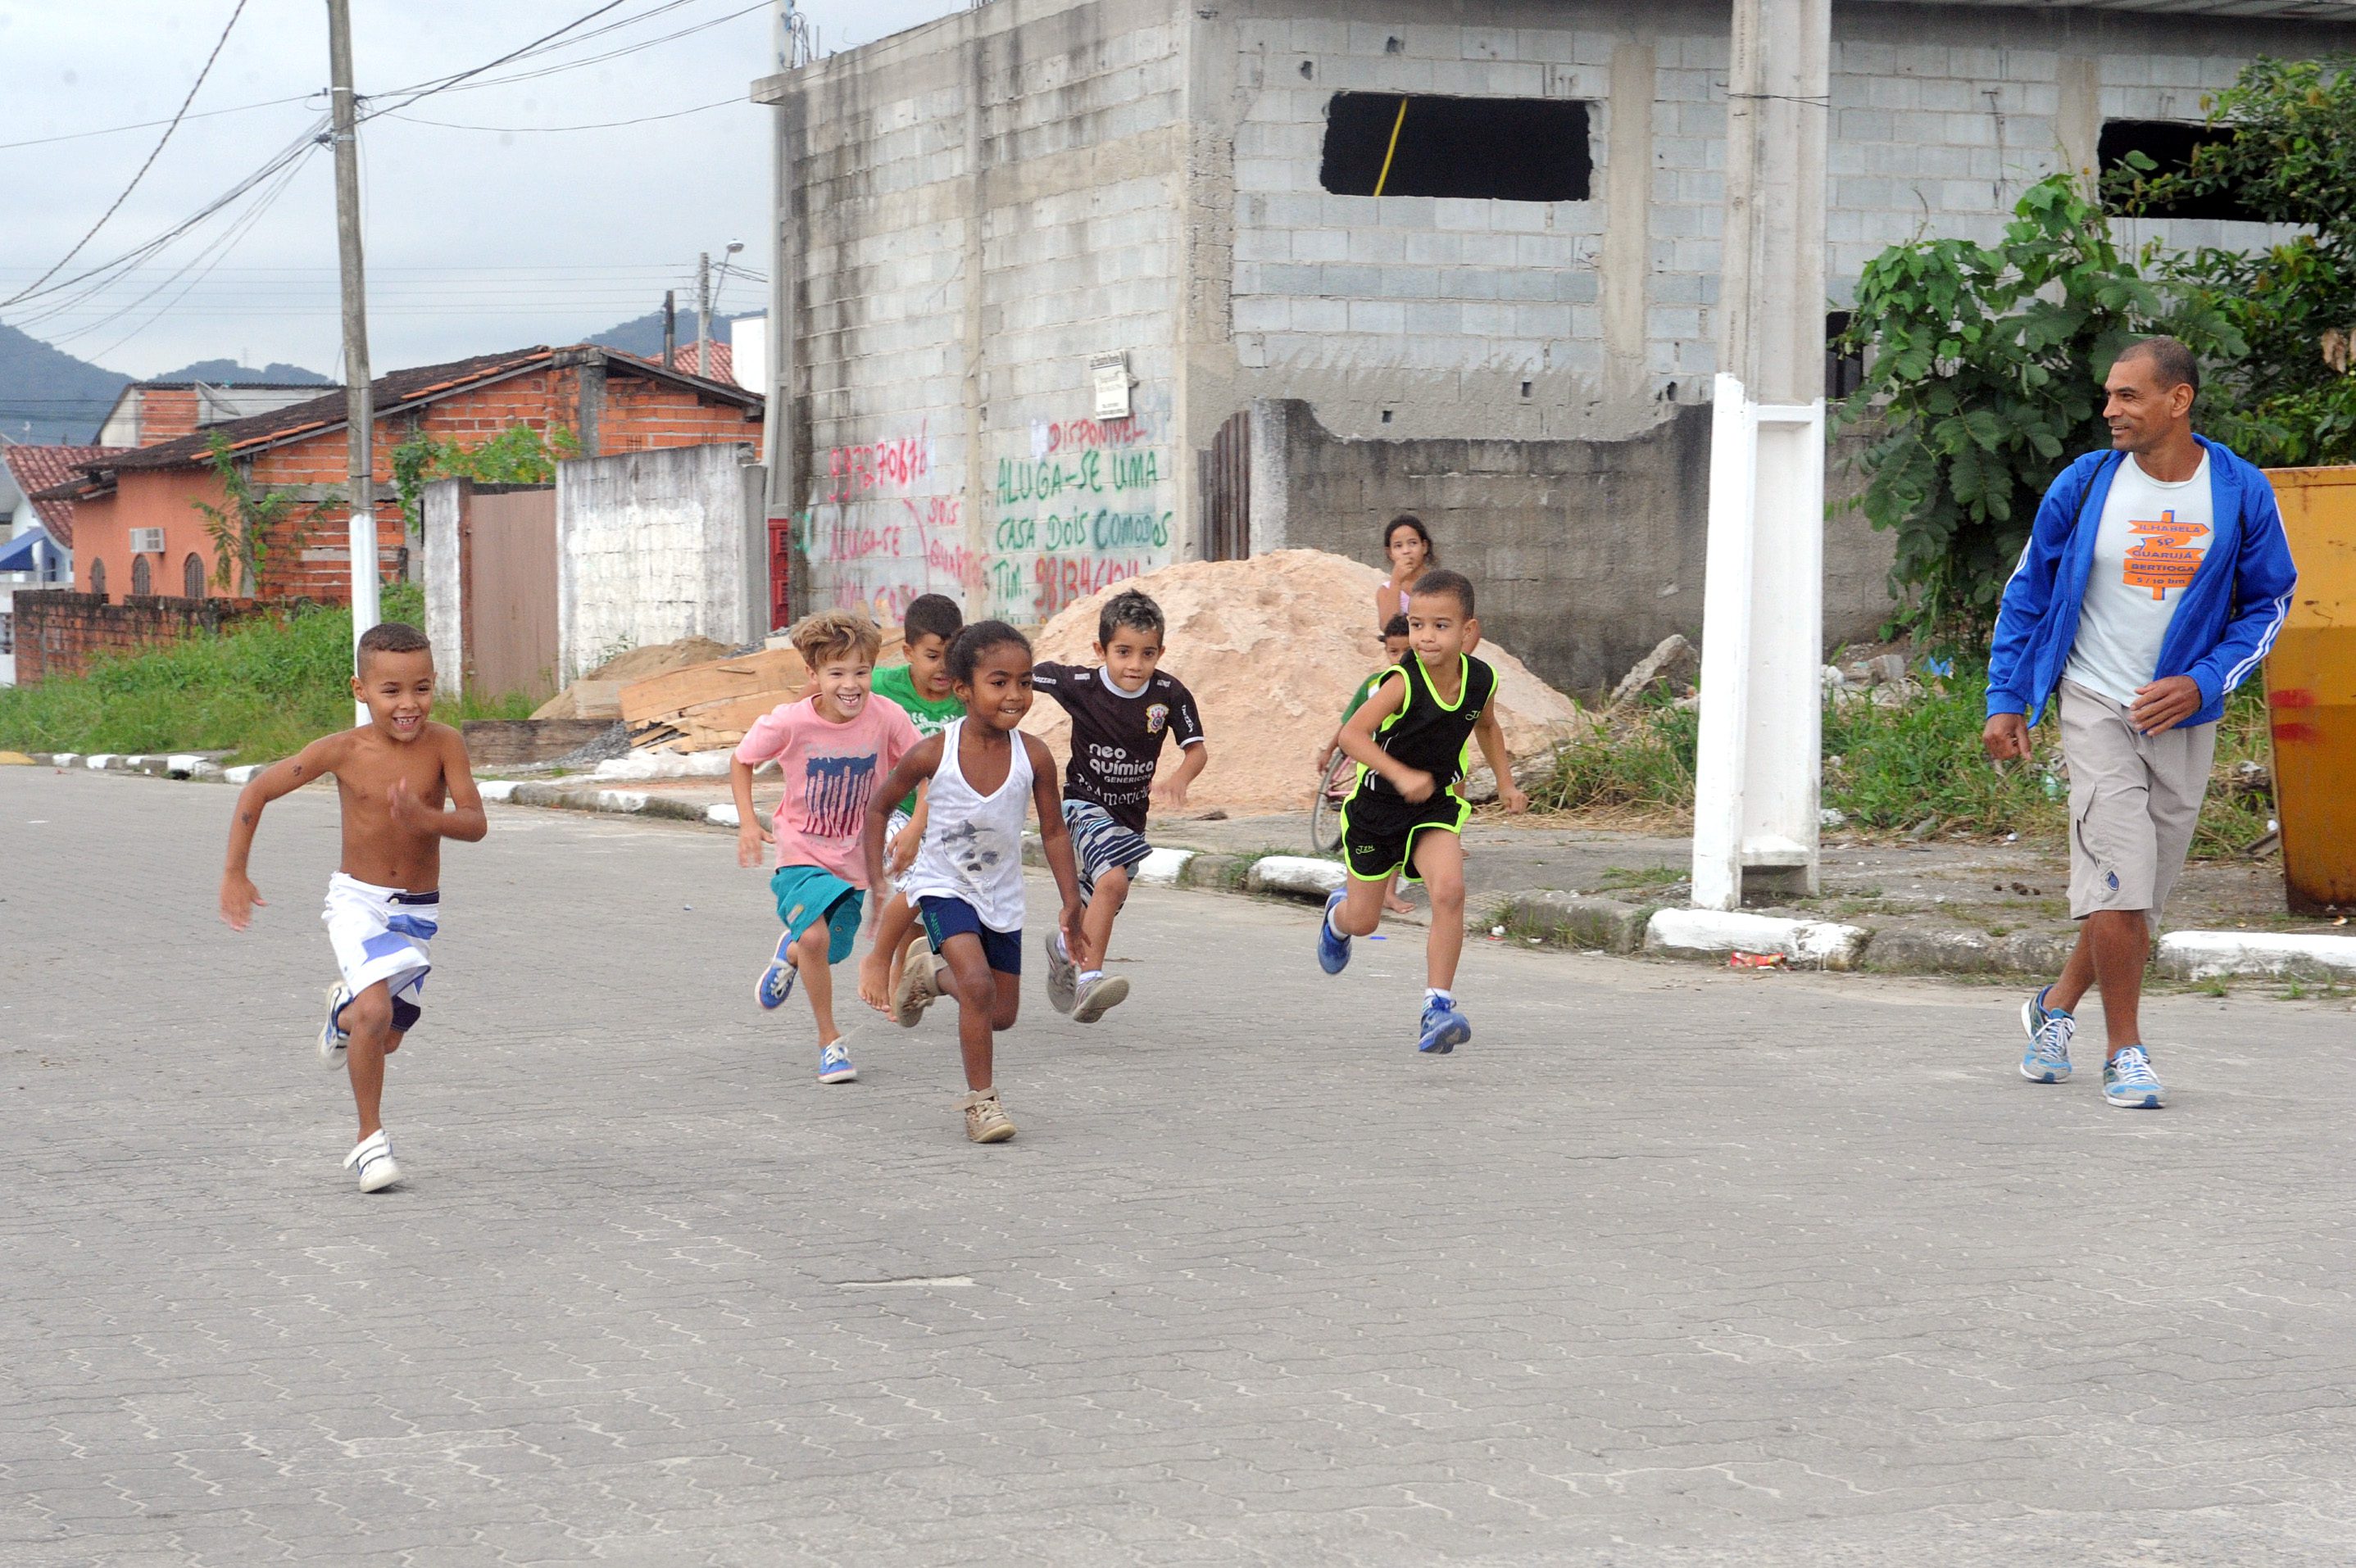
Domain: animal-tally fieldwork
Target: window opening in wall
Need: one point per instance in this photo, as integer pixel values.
(192, 576)
(1508, 149)
(7, 631)
(98, 578)
(1844, 373)
(142, 576)
(2169, 144)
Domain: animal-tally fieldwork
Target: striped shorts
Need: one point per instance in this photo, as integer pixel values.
(1101, 844)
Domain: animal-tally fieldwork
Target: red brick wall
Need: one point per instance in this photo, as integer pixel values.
(166, 415)
(59, 634)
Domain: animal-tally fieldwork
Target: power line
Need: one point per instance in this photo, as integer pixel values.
(145, 124)
(152, 156)
(599, 125)
(444, 84)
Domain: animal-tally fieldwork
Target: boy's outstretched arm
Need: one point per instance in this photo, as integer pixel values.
(916, 766)
(1055, 841)
(1492, 736)
(238, 894)
(750, 834)
(1357, 738)
(462, 819)
(1171, 790)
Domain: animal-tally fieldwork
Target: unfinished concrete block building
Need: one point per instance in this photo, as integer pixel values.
(1343, 260)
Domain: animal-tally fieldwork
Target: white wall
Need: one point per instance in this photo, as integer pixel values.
(656, 545)
(439, 513)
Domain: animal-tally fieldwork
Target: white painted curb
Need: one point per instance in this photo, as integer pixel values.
(667, 765)
(1705, 933)
(2214, 954)
(498, 789)
(1161, 867)
(99, 762)
(65, 759)
(243, 773)
(1295, 874)
(723, 813)
(616, 800)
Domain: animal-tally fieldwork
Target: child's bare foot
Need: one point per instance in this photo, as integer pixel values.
(878, 972)
(1394, 905)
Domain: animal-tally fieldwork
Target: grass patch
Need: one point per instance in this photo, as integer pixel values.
(1626, 876)
(259, 691)
(1888, 769)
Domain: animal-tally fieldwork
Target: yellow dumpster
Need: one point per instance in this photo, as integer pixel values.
(2311, 691)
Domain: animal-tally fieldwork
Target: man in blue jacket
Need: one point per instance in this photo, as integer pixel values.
(2154, 581)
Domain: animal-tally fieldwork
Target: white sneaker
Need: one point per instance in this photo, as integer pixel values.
(1062, 975)
(373, 1159)
(1096, 998)
(333, 1040)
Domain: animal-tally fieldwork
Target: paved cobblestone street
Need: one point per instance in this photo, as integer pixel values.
(1668, 1266)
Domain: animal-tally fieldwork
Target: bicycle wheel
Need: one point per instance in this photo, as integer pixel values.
(1326, 808)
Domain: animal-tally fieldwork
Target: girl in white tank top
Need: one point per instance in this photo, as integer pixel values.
(973, 842)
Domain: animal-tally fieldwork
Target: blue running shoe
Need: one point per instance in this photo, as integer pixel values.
(2049, 1031)
(778, 979)
(1332, 949)
(834, 1065)
(2129, 1082)
(1444, 1029)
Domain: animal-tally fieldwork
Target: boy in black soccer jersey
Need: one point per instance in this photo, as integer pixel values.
(1122, 713)
(1410, 740)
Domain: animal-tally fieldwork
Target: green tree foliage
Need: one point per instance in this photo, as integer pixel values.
(241, 531)
(2290, 158)
(519, 455)
(1986, 379)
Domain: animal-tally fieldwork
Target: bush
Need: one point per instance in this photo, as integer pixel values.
(1887, 769)
(259, 691)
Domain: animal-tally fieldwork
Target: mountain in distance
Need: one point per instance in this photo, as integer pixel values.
(642, 335)
(49, 396)
(230, 373)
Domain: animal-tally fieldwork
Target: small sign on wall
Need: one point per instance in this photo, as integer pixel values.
(1110, 374)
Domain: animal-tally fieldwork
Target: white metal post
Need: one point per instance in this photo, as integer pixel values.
(1757, 771)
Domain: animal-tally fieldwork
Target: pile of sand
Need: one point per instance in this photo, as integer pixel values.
(598, 695)
(1271, 647)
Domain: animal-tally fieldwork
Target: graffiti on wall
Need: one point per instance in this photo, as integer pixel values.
(879, 530)
(1072, 507)
(1087, 504)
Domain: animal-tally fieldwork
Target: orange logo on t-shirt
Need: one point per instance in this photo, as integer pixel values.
(2164, 558)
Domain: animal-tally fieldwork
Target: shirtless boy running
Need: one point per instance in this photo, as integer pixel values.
(405, 786)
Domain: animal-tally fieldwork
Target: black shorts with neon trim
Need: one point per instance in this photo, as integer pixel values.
(1380, 826)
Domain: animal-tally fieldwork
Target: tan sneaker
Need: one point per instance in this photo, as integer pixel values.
(1097, 998)
(986, 1121)
(918, 990)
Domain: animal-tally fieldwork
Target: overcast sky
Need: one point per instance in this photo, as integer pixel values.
(491, 236)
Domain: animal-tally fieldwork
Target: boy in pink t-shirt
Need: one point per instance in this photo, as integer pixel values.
(833, 747)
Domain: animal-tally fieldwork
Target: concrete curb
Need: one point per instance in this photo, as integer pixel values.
(1558, 919)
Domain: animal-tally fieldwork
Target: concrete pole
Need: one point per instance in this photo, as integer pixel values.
(777, 460)
(1758, 769)
(358, 407)
(704, 313)
(670, 330)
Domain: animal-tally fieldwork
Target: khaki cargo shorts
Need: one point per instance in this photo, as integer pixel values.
(2134, 799)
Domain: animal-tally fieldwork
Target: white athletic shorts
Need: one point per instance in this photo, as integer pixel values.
(382, 934)
(892, 829)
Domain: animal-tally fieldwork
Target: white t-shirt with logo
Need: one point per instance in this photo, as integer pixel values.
(2150, 542)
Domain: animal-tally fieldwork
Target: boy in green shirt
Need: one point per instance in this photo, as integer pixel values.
(922, 686)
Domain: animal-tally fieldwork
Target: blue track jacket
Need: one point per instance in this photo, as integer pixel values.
(2229, 613)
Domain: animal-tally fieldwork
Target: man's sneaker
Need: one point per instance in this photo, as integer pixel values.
(2129, 1082)
(919, 987)
(778, 980)
(986, 1121)
(2049, 1031)
(1062, 975)
(1444, 1029)
(1332, 949)
(333, 1037)
(373, 1161)
(834, 1063)
(1097, 998)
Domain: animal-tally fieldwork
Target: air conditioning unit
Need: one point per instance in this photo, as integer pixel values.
(146, 541)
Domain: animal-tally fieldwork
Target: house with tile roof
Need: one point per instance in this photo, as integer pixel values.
(139, 531)
(35, 536)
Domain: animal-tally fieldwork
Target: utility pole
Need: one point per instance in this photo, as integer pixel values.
(704, 313)
(358, 407)
(1758, 768)
(670, 330)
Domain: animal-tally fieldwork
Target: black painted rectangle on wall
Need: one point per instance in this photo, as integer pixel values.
(2169, 144)
(1507, 149)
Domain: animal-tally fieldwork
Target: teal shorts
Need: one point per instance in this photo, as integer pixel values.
(806, 895)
